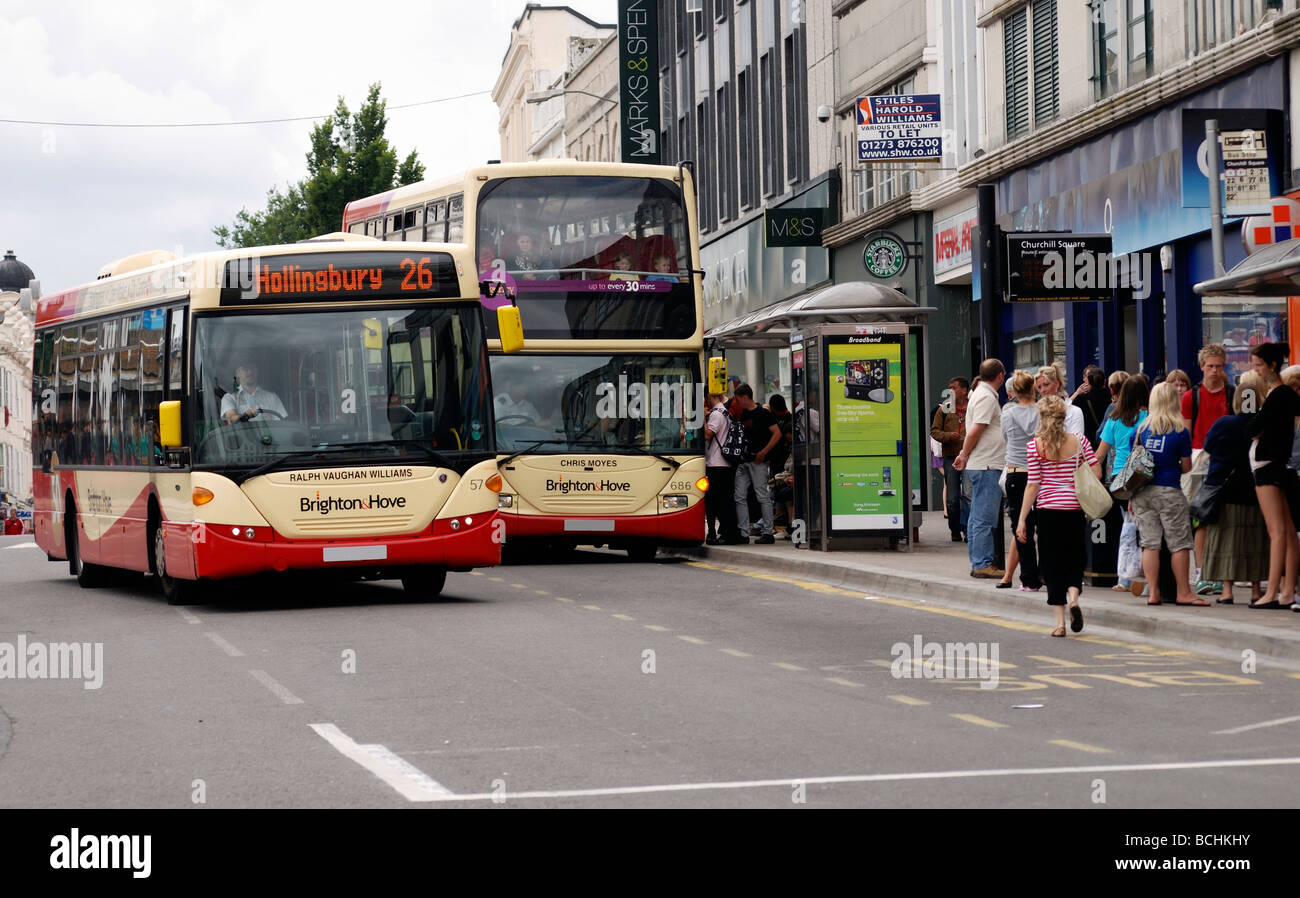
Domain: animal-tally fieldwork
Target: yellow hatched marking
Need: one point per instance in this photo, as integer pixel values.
(1059, 680)
(1195, 678)
(842, 681)
(784, 666)
(1059, 662)
(563, 599)
(1294, 676)
(476, 573)
(496, 580)
(736, 653)
(979, 721)
(519, 585)
(908, 700)
(624, 617)
(592, 607)
(541, 592)
(1081, 746)
(692, 640)
(658, 629)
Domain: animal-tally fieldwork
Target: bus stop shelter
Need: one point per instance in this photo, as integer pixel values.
(1270, 272)
(885, 388)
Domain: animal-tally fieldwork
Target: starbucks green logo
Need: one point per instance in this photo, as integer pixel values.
(885, 256)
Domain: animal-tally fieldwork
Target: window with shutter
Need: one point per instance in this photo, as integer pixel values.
(1016, 56)
(1045, 60)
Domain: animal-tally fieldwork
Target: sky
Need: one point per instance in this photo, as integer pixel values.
(74, 198)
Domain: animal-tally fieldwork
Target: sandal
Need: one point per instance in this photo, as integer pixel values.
(1153, 601)
(1076, 618)
(1199, 603)
(1223, 601)
(1118, 588)
(1059, 631)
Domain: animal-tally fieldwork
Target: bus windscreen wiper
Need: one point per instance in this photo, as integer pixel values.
(641, 450)
(432, 454)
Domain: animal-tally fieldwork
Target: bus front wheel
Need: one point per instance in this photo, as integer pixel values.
(425, 583)
(175, 590)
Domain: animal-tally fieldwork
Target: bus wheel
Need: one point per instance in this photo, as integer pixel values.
(424, 583)
(642, 552)
(175, 590)
(88, 575)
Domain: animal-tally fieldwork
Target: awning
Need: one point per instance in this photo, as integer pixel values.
(847, 303)
(1269, 271)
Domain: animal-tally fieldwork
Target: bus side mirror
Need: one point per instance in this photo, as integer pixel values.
(169, 424)
(511, 327)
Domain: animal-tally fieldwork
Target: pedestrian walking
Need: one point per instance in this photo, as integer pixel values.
(981, 458)
(1019, 423)
(1160, 507)
(1053, 454)
(948, 427)
(1276, 486)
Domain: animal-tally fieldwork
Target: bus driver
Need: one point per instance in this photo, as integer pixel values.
(249, 400)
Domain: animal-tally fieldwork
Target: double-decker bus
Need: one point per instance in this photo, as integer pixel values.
(325, 405)
(599, 419)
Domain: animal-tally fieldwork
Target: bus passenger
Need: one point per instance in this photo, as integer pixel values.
(623, 263)
(663, 266)
(250, 400)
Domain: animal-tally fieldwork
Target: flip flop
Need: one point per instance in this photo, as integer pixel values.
(1199, 603)
(1076, 618)
(1059, 631)
(1223, 601)
(1154, 602)
(1272, 604)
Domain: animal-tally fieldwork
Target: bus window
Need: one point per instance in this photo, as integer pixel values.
(128, 374)
(393, 227)
(107, 429)
(175, 351)
(413, 224)
(435, 219)
(456, 219)
(152, 356)
(357, 227)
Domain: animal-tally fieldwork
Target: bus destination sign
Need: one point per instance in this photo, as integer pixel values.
(338, 277)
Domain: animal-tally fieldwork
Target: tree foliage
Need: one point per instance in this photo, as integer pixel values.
(349, 158)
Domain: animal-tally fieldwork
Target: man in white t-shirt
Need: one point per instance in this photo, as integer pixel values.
(722, 476)
(250, 400)
(982, 456)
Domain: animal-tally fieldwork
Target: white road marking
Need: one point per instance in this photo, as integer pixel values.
(1256, 726)
(190, 616)
(31, 545)
(412, 783)
(225, 646)
(872, 778)
(283, 694)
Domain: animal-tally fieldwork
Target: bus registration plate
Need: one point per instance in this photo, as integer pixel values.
(355, 553)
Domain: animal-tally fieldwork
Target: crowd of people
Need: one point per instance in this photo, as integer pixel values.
(759, 478)
(1203, 479)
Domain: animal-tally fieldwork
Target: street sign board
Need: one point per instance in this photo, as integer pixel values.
(899, 127)
(793, 227)
(1281, 223)
(1246, 189)
(1265, 124)
(1061, 268)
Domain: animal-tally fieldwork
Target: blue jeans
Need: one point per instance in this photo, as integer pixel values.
(985, 504)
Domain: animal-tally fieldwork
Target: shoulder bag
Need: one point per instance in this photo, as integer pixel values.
(1093, 497)
(1137, 472)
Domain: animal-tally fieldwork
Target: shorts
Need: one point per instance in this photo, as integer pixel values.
(1161, 512)
(1275, 473)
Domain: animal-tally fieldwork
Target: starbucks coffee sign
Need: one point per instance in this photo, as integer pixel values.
(885, 256)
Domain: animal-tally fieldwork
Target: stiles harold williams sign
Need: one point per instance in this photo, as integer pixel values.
(638, 80)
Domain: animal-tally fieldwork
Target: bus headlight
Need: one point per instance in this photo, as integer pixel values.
(505, 500)
(675, 501)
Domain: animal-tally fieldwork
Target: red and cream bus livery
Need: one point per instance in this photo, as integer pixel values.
(599, 418)
(325, 405)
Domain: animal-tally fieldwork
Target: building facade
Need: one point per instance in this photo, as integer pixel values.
(16, 333)
(546, 42)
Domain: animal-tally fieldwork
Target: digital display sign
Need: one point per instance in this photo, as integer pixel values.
(335, 277)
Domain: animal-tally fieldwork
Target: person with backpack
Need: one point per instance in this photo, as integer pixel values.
(761, 436)
(721, 473)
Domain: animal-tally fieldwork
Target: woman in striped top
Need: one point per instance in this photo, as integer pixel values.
(1053, 455)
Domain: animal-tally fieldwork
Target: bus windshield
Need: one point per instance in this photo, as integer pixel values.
(597, 403)
(591, 257)
(356, 384)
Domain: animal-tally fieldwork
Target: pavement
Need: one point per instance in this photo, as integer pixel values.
(935, 569)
